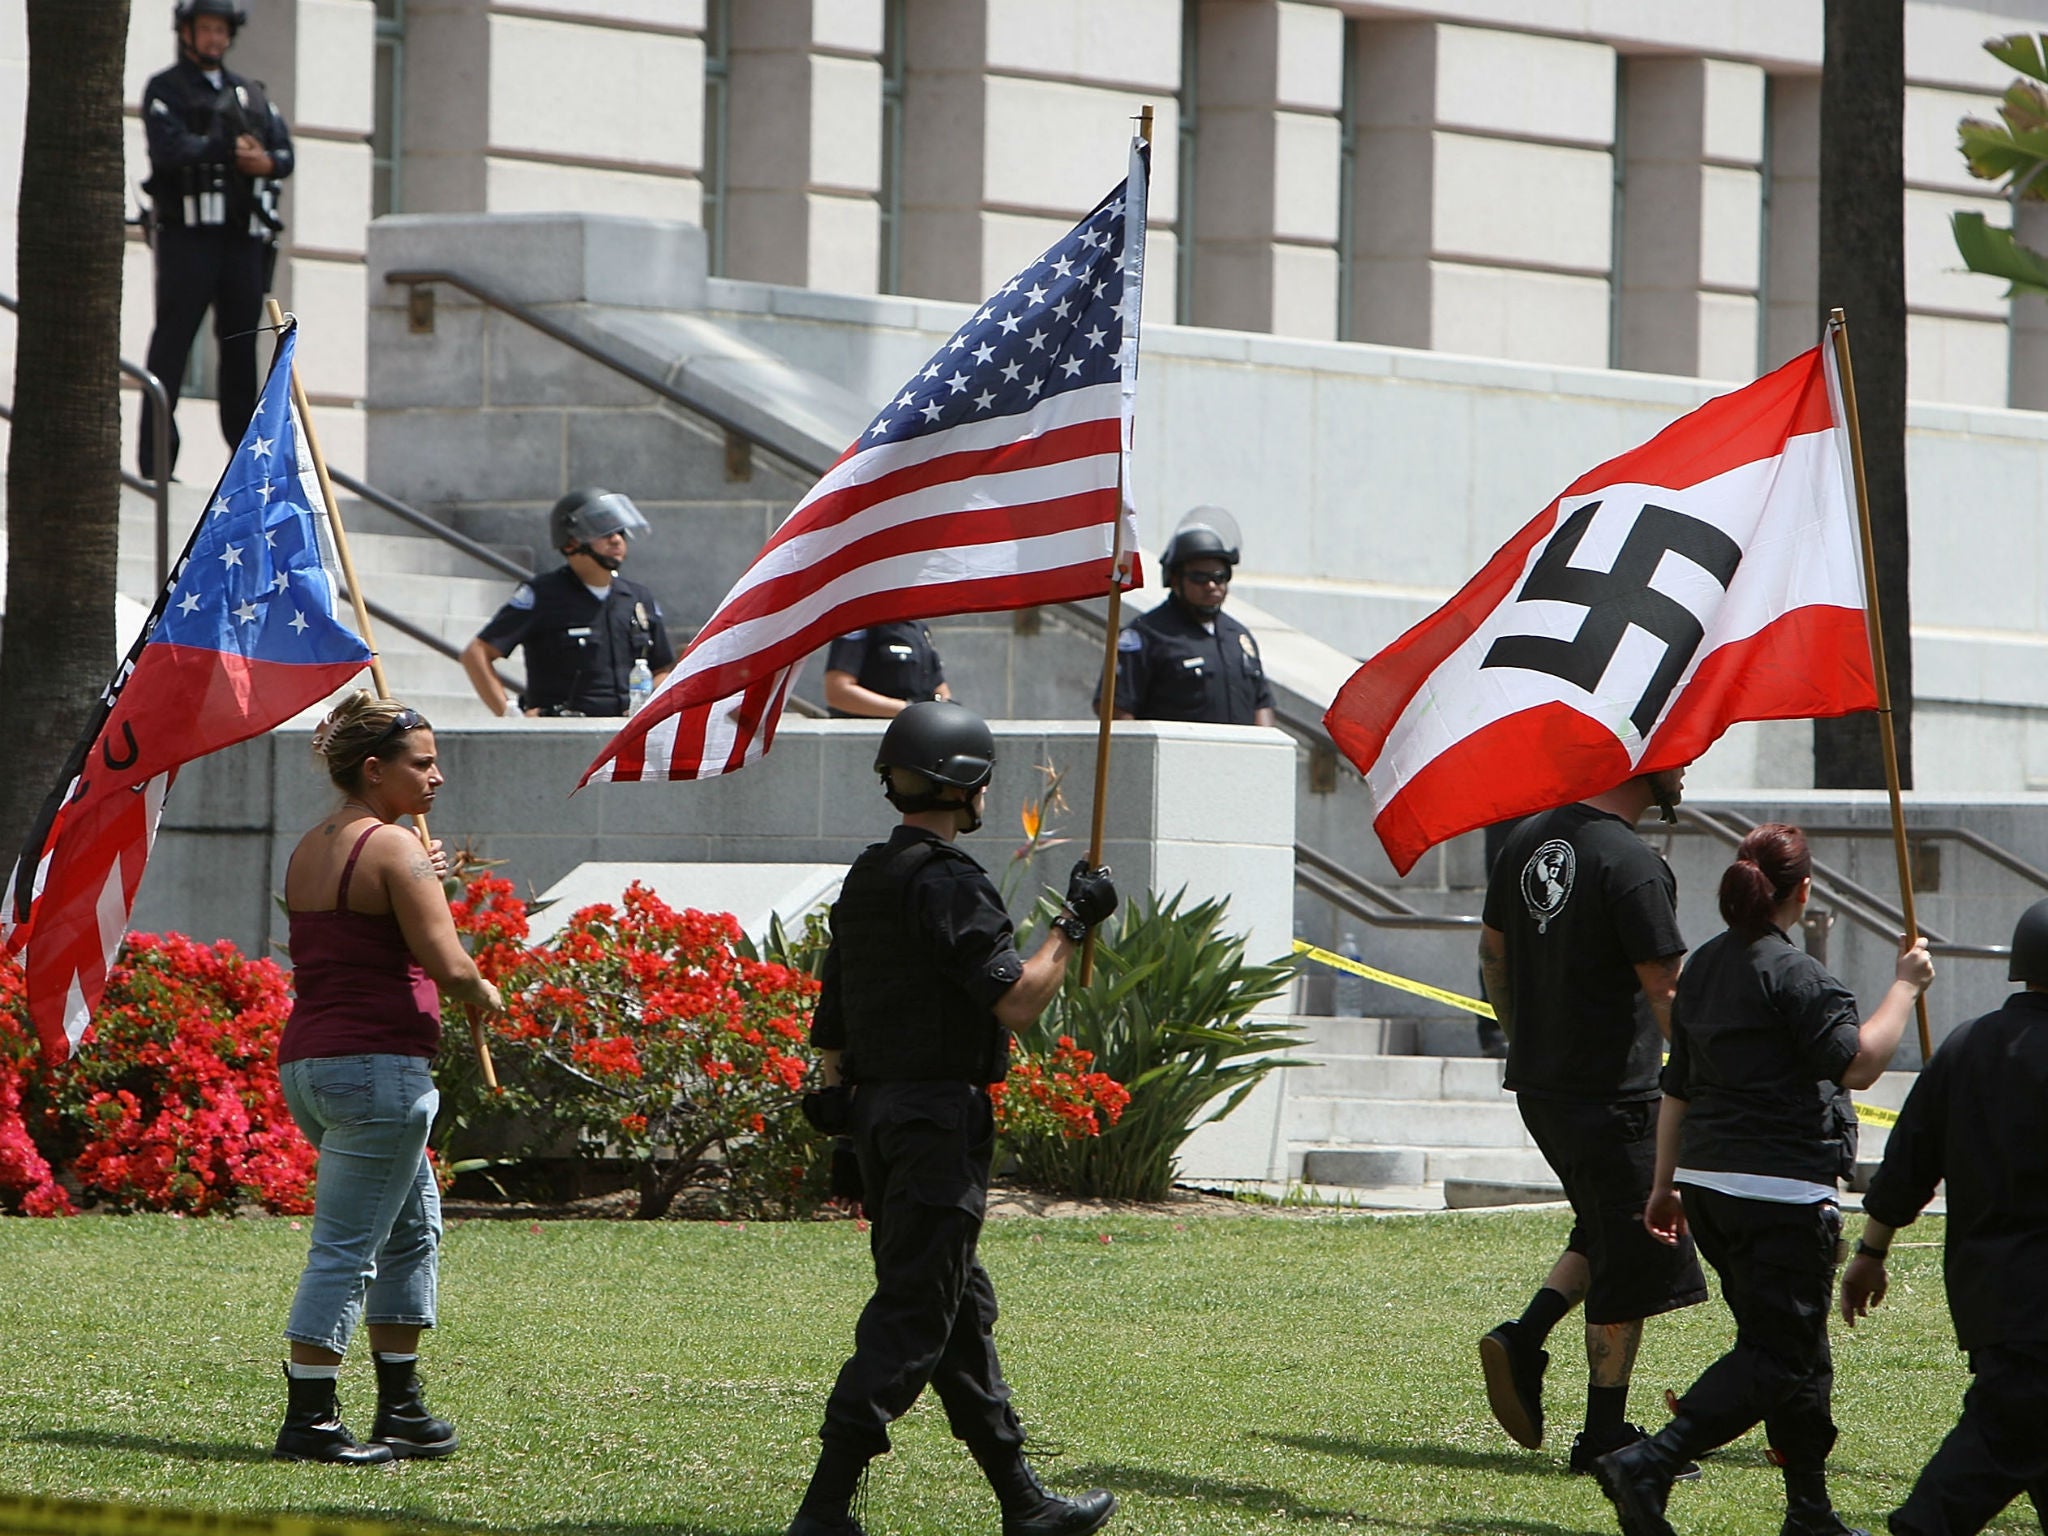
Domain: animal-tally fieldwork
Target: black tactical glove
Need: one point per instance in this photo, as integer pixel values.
(844, 1181)
(1091, 894)
(829, 1109)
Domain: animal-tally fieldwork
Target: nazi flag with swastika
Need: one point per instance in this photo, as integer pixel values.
(1709, 576)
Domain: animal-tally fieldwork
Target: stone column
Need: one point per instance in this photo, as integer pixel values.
(1017, 116)
(1270, 83)
(1482, 191)
(805, 159)
(596, 111)
(1792, 237)
(1692, 193)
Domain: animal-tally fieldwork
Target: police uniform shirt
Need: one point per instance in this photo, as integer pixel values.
(957, 915)
(896, 660)
(1581, 901)
(1976, 1117)
(1760, 1037)
(192, 125)
(579, 647)
(1170, 665)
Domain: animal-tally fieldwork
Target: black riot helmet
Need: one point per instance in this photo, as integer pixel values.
(190, 10)
(1202, 531)
(2030, 946)
(946, 746)
(584, 516)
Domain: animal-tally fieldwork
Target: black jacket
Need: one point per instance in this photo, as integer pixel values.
(192, 126)
(579, 648)
(1169, 667)
(1978, 1117)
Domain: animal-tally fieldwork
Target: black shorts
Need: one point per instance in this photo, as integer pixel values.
(1605, 1155)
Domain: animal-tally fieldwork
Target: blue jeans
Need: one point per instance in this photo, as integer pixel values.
(376, 1209)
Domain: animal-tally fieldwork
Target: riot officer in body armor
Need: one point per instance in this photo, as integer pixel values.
(922, 987)
(217, 150)
(1187, 659)
(583, 625)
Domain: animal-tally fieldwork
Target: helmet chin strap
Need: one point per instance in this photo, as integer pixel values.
(609, 562)
(933, 799)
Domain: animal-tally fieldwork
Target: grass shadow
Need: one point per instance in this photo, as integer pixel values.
(155, 1445)
(1420, 1454)
(1253, 1497)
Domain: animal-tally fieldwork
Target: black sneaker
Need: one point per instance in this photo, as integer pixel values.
(1514, 1383)
(1585, 1452)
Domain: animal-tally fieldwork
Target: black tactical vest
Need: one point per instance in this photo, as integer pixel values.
(906, 1019)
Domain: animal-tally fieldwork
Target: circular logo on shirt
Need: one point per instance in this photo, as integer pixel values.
(1547, 881)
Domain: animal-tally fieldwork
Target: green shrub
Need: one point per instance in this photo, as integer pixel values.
(1167, 1013)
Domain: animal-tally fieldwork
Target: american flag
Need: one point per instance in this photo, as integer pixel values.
(243, 637)
(994, 479)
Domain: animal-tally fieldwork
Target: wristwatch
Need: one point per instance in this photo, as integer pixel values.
(1865, 1251)
(1071, 926)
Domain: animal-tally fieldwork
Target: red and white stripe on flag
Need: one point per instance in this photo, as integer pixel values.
(1711, 575)
(990, 482)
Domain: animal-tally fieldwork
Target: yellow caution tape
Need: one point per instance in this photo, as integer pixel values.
(1872, 1114)
(23, 1516)
(1389, 979)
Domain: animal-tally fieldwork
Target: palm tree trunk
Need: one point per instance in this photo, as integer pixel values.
(63, 464)
(1863, 273)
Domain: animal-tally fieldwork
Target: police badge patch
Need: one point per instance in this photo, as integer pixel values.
(1547, 881)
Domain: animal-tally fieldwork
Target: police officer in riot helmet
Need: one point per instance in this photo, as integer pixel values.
(589, 634)
(218, 148)
(1187, 659)
(922, 986)
(1974, 1120)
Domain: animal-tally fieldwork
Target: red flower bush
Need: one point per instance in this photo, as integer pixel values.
(1047, 1101)
(172, 1102)
(652, 1036)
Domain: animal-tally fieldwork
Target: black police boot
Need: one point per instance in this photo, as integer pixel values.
(827, 1509)
(1809, 1511)
(313, 1430)
(1032, 1509)
(1637, 1478)
(403, 1422)
(1588, 1449)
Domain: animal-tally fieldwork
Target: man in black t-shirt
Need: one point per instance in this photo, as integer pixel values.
(878, 672)
(1580, 952)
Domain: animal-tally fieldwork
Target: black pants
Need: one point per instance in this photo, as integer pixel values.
(1996, 1452)
(924, 1160)
(198, 270)
(1777, 1268)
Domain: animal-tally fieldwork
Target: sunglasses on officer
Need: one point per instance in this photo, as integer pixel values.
(1218, 576)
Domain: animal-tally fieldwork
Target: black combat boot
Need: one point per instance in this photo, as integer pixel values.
(1637, 1478)
(827, 1509)
(1030, 1508)
(403, 1422)
(313, 1430)
(1809, 1511)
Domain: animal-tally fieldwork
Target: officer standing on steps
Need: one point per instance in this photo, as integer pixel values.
(1187, 659)
(1580, 951)
(592, 638)
(879, 671)
(922, 987)
(1975, 1118)
(217, 150)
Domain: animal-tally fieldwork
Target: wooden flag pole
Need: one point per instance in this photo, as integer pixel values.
(355, 592)
(1838, 330)
(1106, 710)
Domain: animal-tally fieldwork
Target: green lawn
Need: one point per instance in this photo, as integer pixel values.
(1221, 1375)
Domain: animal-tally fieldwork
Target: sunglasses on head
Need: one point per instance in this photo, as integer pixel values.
(405, 720)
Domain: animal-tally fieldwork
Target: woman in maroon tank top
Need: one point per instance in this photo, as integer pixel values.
(373, 948)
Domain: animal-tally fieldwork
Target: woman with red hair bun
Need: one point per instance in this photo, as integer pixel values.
(1755, 1132)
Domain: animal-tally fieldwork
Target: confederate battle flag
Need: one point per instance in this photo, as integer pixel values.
(1711, 575)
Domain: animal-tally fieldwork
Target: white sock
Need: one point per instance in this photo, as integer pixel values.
(397, 1359)
(300, 1372)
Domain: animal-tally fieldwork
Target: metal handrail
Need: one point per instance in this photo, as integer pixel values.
(1321, 875)
(158, 487)
(653, 383)
(482, 553)
(433, 642)
(1864, 907)
(1941, 832)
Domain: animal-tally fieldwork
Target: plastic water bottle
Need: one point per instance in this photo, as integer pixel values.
(639, 685)
(1350, 991)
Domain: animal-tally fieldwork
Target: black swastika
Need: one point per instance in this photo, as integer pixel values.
(1617, 599)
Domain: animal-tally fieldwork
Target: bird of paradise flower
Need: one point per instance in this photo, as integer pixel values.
(1036, 818)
